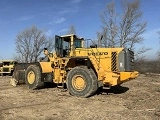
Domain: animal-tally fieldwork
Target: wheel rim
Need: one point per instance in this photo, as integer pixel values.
(31, 77)
(78, 82)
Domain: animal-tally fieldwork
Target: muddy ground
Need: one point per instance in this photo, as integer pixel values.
(135, 100)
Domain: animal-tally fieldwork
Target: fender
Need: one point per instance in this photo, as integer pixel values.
(46, 67)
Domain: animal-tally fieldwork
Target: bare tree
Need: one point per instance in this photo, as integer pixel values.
(72, 30)
(158, 53)
(109, 27)
(122, 29)
(31, 42)
(18, 58)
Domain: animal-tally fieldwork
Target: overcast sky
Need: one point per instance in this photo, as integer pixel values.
(57, 15)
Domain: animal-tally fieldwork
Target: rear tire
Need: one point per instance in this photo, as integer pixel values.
(82, 82)
(33, 77)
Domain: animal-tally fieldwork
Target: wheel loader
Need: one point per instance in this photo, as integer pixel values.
(6, 67)
(82, 68)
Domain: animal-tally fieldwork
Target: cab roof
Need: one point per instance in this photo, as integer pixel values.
(69, 35)
(7, 61)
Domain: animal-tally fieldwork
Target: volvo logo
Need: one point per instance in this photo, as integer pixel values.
(98, 53)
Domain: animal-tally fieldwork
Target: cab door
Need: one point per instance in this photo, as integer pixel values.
(59, 46)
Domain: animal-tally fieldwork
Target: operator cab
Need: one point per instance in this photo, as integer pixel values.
(64, 44)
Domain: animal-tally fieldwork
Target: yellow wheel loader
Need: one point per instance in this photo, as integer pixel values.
(81, 68)
(7, 67)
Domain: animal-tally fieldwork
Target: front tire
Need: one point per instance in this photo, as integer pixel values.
(82, 82)
(33, 77)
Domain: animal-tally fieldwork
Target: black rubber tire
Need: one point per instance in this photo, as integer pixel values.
(89, 77)
(38, 83)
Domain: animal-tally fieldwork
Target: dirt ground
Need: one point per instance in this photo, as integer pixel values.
(138, 99)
